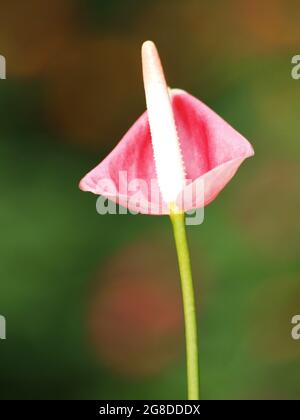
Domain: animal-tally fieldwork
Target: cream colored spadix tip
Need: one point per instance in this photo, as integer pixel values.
(152, 68)
(165, 142)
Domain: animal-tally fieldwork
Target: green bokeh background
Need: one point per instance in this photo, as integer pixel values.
(73, 88)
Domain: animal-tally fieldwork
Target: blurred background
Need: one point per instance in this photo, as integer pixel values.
(93, 303)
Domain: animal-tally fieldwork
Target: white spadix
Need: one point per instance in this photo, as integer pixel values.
(166, 148)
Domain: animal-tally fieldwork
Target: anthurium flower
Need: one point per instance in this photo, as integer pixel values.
(185, 145)
(177, 156)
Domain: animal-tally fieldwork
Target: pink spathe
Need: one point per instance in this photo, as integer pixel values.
(211, 150)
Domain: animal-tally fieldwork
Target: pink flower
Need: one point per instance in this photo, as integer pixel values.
(195, 157)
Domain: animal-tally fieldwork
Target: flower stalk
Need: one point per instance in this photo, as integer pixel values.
(189, 307)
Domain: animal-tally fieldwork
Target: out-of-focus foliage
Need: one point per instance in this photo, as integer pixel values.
(93, 302)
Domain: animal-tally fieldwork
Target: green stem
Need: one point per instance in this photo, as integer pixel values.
(189, 308)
